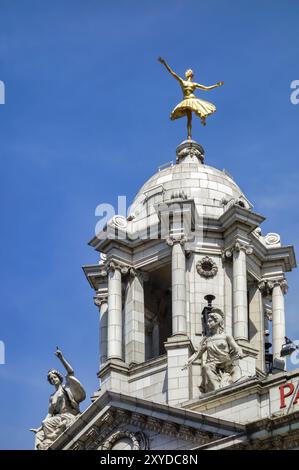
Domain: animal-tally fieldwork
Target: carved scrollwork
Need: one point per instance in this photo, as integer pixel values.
(119, 221)
(142, 275)
(103, 259)
(190, 151)
(227, 253)
(266, 286)
(178, 239)
(237, 246)
(227, 203)
(272, 239)
(113, 265)
(206, 267)
(283, 285)
(100, 299)
(169, 429)
(138, 440)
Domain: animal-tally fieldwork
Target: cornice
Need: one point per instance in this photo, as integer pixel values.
(146, 367)
(116, 365)
(113, 409)
(239, 215)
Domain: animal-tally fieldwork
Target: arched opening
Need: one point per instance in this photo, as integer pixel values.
(158, 321)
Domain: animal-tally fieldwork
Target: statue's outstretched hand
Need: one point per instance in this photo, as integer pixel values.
(160, 59)
(240, 354)
(58, 353)
(186, 365)
(220, 83)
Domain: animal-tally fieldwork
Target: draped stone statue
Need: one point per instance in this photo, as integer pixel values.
(63, 405)
(219, 354)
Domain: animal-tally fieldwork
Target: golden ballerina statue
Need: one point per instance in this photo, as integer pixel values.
(190, 103)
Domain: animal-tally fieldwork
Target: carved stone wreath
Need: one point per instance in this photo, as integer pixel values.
(138, 440)
(206, 267)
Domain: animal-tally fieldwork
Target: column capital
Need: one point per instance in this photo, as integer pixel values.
(114, 265)
(142, 275)
(266, 285)
(127, 270)
(100, 299)
(237, 246)
(282, 283)
(263, 287)
(241, 246)
(172, 240)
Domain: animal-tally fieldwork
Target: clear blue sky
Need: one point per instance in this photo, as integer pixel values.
(86, 120)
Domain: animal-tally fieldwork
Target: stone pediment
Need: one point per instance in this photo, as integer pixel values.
(119, 422)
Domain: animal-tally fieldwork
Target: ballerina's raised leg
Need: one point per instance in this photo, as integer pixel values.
(189, 123)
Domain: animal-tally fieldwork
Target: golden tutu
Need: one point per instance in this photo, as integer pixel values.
(190, 103)
(200, 107)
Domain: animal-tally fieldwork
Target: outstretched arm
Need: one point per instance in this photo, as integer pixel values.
(235, 347)
(203, 87)
(67, 366)
(197, 355)
(176, 76)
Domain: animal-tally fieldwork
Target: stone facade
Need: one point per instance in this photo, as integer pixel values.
(191, 236)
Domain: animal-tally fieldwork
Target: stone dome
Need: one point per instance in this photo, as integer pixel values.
(211, 189)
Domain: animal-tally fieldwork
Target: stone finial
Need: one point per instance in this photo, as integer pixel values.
(189, 151)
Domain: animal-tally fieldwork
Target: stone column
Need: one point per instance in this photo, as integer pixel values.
(114, 312)
(257, 326)
(134, 319)
(101, 301)
(240, 302)
(178, 274)
(278, 317)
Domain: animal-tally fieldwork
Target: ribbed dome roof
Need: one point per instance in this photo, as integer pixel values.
(210, 188)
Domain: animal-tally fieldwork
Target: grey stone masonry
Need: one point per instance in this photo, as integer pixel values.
(179, 378)
(134, 320)
(207, 242)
